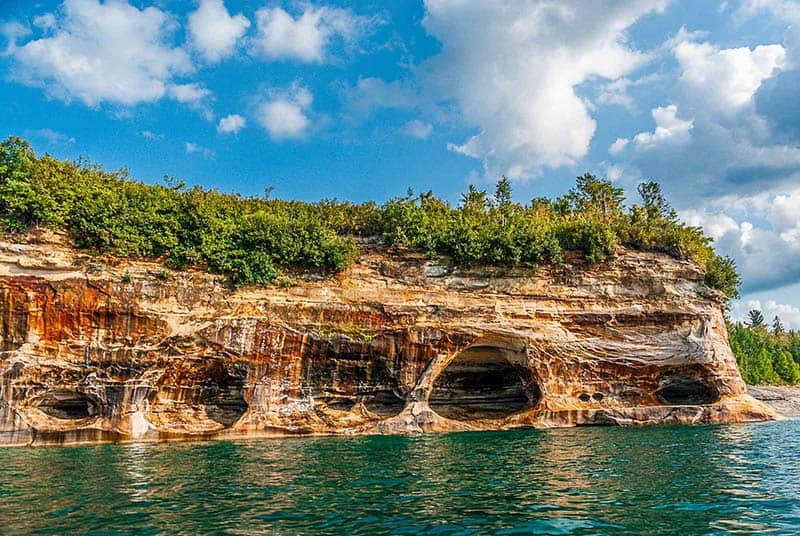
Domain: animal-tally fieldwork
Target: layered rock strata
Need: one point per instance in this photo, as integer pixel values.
(98, 350)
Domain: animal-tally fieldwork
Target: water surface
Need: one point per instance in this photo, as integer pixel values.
(737, 479)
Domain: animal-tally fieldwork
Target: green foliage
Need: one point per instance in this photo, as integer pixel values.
(721, 274)
(596, 196)
(765, 357)
(255, 240)
(755, 318)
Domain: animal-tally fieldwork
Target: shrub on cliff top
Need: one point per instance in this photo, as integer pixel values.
(253, 239)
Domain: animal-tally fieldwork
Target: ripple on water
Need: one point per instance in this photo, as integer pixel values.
(665, 480)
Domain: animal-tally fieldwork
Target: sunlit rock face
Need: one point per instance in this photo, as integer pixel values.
(110, 351)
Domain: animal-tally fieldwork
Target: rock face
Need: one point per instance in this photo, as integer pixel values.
(95, 351)
(784, 399)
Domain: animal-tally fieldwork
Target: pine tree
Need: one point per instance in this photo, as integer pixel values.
(763, 372)
(777, 326)
(474, 200)
(786, 367)
(756, 318)
(502, 193)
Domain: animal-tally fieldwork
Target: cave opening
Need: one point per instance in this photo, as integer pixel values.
(226, 404)
(385, 403)
(67, 405)
(484, 382)
(681, 391)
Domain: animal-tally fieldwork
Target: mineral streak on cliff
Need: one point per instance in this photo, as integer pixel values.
(95, 351)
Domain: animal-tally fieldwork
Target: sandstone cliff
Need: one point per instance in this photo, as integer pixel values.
(110, 351)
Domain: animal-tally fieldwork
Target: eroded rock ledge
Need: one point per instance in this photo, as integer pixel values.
(94, 351)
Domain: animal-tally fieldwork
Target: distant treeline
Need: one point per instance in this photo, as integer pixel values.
(766, 355)
(253, 239)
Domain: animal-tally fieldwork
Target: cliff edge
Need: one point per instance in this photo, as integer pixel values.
(97, 350)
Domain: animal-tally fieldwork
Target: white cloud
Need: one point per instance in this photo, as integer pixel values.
(789, 314)
(45, 21)
(512, 68)
(727, 79)
(417, 129)
(231, 124)
(369, 94)
(188, 93)
(284, 115)
(761, 231)
(733, 148)
(669, 129)
(103, 52)
(193, 148)
(194, 95)
(618, 146)
(214, 32)
(12, 31)
(51, 136)
(150, 135)
(616, 91)
(307, 37)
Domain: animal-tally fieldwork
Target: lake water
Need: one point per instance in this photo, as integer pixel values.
(658, 480)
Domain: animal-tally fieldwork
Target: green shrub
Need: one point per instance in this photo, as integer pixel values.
(255, 239)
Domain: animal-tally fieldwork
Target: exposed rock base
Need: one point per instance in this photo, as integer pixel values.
(95, 351)
(784, 399)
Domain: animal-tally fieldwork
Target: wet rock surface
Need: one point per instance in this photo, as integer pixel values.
(101, 350)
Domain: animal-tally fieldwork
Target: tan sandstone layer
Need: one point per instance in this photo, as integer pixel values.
(97, 350)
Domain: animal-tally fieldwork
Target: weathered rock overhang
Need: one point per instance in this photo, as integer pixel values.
(94, 351)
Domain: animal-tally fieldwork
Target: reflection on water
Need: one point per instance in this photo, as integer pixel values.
(659, 480)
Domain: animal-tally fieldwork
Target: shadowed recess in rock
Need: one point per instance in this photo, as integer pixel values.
(383, 403)
(678, 390)
(226, 405)
(483, 383)
(67, 405)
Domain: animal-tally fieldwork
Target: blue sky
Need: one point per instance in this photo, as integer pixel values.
(362, 100)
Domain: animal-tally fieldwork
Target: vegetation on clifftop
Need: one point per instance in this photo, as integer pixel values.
(253, 239)
(766, 355)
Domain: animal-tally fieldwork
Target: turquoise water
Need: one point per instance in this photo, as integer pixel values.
(659, 480)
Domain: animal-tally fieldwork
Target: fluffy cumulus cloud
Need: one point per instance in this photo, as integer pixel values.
(306, 37)
(285, 114)
(670, 129)
(231, 124)
(761, 231)
(102, 52)
(726, 79)
(195, 95)
(715, 152)
(788, 11)
(789, 314)
(214, 31)
(512, 68)
(733, 148)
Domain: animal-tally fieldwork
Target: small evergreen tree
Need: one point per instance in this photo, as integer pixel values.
(474, 200)
(653, 199)
(502, 194)
(755, 318)
(785, 367)
(777, 326)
